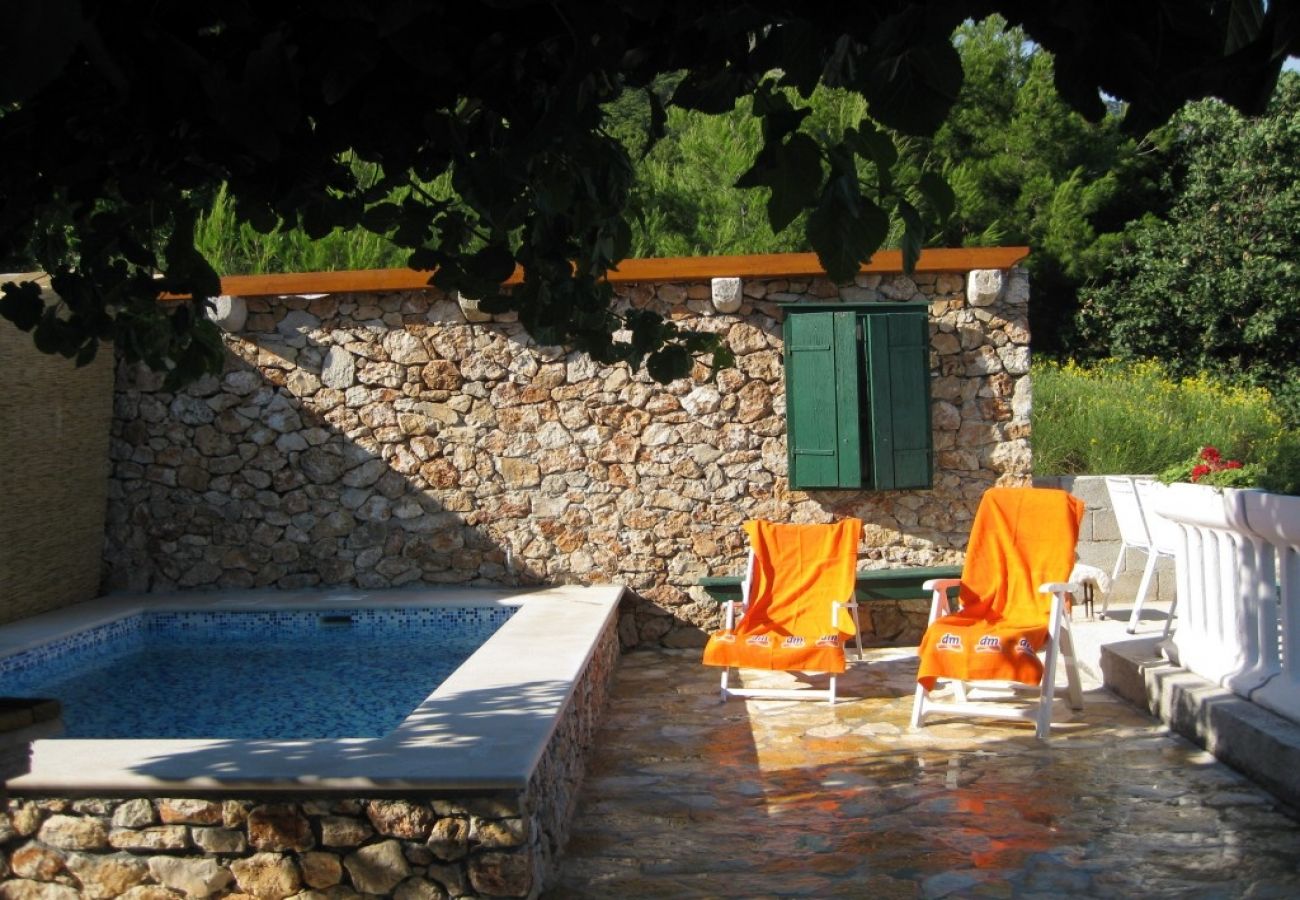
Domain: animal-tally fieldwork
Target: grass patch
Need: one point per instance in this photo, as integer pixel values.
(1135, 418)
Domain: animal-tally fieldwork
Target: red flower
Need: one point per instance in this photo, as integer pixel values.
(1210, 454)
(1199, 471)
(1232, 464)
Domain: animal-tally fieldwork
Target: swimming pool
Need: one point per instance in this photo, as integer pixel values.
(472, 792)
(286, 674)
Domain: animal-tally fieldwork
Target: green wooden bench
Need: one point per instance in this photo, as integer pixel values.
(873, 584)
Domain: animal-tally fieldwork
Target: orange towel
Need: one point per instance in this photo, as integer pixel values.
(799, 571)
(1021, 538)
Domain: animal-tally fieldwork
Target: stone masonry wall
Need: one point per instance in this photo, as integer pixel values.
(343, 848)
(384, 439)
(54, 423)
(170, 848)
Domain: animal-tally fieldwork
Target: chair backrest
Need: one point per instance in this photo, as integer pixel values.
(800, 570)
(1128, 511)
(1021, 538)
(1165, 535)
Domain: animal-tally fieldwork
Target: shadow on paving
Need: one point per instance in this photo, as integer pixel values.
(687, 797)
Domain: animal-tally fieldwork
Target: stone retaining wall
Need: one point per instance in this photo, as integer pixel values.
(382, 439)
(505, 844)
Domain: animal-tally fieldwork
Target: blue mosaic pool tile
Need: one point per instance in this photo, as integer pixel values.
(73, 649)
(269, 674)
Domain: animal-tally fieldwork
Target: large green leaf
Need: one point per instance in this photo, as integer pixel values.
(36, 41)
(845, 228)
(938, 193)
(669, 364)
(913, 235)
(21, 303)
(710, 91)
(795, 180)
(912, 83)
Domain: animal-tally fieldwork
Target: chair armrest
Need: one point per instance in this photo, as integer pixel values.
(939, 587)
(1061, 587)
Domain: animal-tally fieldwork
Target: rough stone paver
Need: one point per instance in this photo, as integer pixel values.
(686, 797)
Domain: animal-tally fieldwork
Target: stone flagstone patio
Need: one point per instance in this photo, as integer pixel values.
(685, 797)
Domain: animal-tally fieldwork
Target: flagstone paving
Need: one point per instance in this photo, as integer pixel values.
(687, 797)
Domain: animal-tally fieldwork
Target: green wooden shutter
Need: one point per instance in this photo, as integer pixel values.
(821, 398)
(898, 371)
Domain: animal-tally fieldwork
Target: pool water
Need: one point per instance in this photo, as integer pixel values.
(278, 675)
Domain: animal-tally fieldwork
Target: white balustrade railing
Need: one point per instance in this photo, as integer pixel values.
(1238, 578)
(1274, 520)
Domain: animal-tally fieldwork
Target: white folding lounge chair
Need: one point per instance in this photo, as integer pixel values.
(790, 612)
(985, 651)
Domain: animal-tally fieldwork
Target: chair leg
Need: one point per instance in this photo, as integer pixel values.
(1047, 688)
(725, 672)
(1114, 574)
(831, 699)
(918, 707)
(1169, 622)
(1047, 691)
(1071, 669)
(1147, 571)
(857, 624)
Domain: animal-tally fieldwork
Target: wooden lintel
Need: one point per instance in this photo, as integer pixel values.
(691, 268)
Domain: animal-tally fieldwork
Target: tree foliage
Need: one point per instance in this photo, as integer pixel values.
(1025, 168)
(119, 122)
(1212, 285)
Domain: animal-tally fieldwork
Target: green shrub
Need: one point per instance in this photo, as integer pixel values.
(1134, 418)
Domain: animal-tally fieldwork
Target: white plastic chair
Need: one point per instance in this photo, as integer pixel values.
(1164, 543)
(1136, 521)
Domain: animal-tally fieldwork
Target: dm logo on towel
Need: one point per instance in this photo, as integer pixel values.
(1023, 646)
(758, 640)
(990, 643)
(829, 640)
(793, 641)
(950, 642)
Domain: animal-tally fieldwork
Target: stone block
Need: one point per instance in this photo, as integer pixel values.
(377, 868)
(1091, 489)
(267, 876)
(192, 877)
(73, 833)
(107, 876)
(1103, 525)
(984, 287)
(229, 313)
(727, 294)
